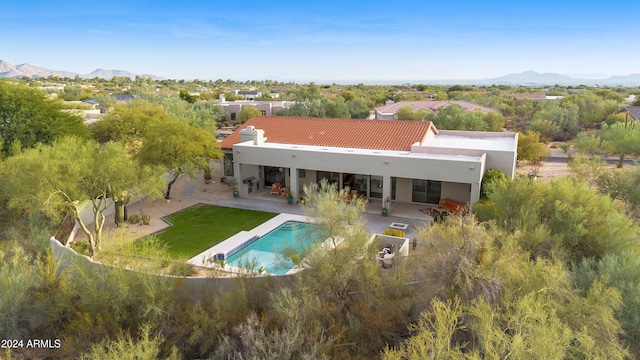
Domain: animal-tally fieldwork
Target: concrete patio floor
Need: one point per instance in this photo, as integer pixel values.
(188, 192)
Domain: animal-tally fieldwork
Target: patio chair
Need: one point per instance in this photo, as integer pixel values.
(286, 191)
(275, 189)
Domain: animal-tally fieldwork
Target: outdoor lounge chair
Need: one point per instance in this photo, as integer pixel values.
(286, 191)
(275, 189)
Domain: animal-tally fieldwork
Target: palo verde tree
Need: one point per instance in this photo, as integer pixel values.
(343, 289)
(128, 123)
(179, 148)
(622, 138)
(62, 177)
(530, 148)
(247, 113)
(28, 117)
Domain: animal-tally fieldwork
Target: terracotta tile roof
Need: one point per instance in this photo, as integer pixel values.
(345, 133)
(432, 105)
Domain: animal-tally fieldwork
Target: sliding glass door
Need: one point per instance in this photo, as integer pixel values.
(426, 191)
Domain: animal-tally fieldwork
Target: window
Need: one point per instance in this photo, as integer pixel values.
(332, 177)
(426, 191)
(233, 116)
(302, 173)
(263, 112)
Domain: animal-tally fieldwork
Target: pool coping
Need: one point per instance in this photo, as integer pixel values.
(240, 238)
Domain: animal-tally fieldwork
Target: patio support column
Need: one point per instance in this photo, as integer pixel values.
(237, 174)
(293, 183)
(475, 194)
(386, 189)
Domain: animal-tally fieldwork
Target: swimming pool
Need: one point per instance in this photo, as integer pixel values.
(274, 250)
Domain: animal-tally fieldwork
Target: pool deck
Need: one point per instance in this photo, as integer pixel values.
(240, 238)
(187, 192)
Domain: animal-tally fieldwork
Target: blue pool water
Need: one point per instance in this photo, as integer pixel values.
(270, 251)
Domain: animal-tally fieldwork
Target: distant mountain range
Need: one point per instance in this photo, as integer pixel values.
(534, 78)
(8, 70)
(529, 78)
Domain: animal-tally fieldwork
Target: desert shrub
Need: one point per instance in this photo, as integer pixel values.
(134, 219)
(182, 269)
(484, 210)
(146, 219)
(81, 247)
(125, 347)
(19, 276)
(393, 232)
(296, 259)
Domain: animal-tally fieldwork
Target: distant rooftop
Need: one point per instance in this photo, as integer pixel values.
(634, 111)
(433, 105)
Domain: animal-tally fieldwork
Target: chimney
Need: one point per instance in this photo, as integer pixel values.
(250, 133)
(222, 99)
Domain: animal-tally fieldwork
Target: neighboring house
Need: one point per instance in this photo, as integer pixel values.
(534, 97)
(631, 112)
(405, 161)
(268, 108)
(413, 91)
(249, 95)
(390, 110)
(124, 97)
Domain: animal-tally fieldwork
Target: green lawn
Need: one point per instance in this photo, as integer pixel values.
(200, 227)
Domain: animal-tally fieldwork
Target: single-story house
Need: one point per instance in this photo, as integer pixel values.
(404, 161)
(389, 111)
(630, 111)
(232, 108)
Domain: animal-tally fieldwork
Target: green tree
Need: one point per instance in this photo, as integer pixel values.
(622, 139)
(593, 109)
(495, 301)
(495, 121)
(247, 113)
(184, 95)
(178, 147)
(129, 123)
(491, 176)
(27, 116)
(622, 185)
(407, 113)
(586, 169)
(454, 117)
(75, 172)
(565, 116)
(621, 271)
(590, 143)
(530, 148)
(561, 217)
(358, 108)
(343, 289)
(546, 128)
(202, 114)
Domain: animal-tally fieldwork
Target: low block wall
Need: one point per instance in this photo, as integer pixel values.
(197, 289)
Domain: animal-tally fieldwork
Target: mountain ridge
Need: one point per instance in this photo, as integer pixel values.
(529, 77)
(8, 70)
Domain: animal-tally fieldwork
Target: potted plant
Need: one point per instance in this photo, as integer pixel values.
(234, 183)
(385, 206)
(290, 198)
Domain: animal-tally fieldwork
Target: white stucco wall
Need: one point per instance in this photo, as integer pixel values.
(456, 191)
(404, 188)
(465, 169)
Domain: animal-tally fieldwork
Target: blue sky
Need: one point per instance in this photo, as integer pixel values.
(324, 41)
